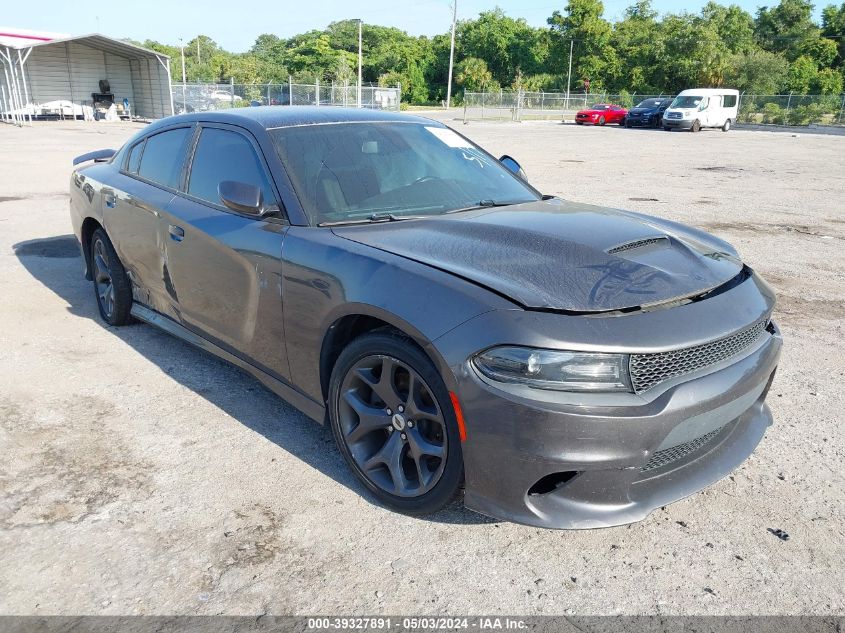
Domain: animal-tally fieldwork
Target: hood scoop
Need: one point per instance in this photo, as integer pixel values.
(660, 241)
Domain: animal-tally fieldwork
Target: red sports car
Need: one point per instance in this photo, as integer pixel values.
(602, 113)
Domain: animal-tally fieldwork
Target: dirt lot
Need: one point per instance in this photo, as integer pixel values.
(141, 476)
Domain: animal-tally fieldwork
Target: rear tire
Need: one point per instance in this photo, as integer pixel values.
(727, 125)
(410, 458)
(624, 122)
(111, 283)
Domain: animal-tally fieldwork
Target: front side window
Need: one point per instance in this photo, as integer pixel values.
(225, 155)
(163, 156)
(349, 171)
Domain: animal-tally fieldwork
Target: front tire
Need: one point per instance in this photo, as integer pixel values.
(696, 126)
(111, 283)
(393, 422)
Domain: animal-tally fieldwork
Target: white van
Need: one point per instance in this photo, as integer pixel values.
(702, 107)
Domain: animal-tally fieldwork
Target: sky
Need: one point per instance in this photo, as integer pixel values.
(235, 25)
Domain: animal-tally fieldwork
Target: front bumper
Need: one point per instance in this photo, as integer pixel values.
(680, 124)
(696, 428)
(640, 121)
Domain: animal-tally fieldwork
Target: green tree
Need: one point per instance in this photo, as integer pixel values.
(473, 74)
(783, 28)
(802, 75)
(507, 45)
(833, 26)
(757, 72)
(594, 57)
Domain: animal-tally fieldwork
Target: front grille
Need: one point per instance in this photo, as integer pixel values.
(674, 115)
(674, 453)
(648, 370)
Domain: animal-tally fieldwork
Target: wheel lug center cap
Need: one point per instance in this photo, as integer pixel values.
(398, 421)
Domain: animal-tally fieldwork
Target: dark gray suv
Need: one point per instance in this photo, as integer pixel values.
(569, 366)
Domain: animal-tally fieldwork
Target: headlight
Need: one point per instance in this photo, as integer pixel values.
(549, 369)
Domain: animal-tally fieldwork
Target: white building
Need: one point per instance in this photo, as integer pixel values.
(51, 74)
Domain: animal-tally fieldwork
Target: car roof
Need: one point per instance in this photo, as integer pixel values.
(707, 91)
(269, 117)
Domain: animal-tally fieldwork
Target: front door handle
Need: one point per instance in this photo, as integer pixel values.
(110, 200)
(177, 233)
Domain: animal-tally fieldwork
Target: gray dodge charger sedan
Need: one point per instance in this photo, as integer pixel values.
(566, 365)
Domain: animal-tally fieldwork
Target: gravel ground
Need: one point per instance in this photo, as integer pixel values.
(142, 476)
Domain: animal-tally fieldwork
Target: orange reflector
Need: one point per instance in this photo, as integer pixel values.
(462, 429)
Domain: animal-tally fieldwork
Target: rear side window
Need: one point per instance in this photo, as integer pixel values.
(163, 157)
(134, 158)
(225, 155)
(728, 101)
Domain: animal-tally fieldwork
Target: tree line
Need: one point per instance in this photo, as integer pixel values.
(781, 49)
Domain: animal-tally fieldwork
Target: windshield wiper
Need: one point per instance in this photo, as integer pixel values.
(375, 218)
(486, 204)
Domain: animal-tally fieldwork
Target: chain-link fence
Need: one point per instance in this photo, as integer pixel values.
(792, 109)
(203, 97)
(520, 105)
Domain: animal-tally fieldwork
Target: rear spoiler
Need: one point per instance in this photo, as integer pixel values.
(100, 156)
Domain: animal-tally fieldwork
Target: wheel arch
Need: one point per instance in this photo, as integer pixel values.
(89, 225)
(360, 319)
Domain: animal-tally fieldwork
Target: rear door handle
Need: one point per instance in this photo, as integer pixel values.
(110, 200)
(177, 233)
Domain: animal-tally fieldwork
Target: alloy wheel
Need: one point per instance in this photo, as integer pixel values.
(392, 426)
(103, 279)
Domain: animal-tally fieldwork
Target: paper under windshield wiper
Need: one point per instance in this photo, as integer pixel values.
(374, 218)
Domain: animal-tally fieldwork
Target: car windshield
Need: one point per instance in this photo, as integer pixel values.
(356, 171)
(600, 106)
(689, 101)
(650, 103)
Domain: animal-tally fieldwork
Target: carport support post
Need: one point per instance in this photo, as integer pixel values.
(170, 84)
(290, 90)
(317, 92)
(5, 114)
(12, 96)
(232, 91)
(21, 62)
(841, 108)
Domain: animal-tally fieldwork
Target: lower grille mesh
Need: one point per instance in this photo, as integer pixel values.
(647, 370)
(669, 455)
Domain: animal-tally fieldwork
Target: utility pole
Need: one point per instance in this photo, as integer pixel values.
(360, 61)
(199, 59)
(569, 74)
(451, 54)
(184, 103)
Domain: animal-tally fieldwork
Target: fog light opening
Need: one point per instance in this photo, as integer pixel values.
(552, 482)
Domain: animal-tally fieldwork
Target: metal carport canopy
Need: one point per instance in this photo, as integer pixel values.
(15, 62)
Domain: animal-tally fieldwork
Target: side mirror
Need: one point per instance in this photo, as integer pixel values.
(513, 166)
(241, 197)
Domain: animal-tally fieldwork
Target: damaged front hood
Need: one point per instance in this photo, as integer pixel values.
(560, 255)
